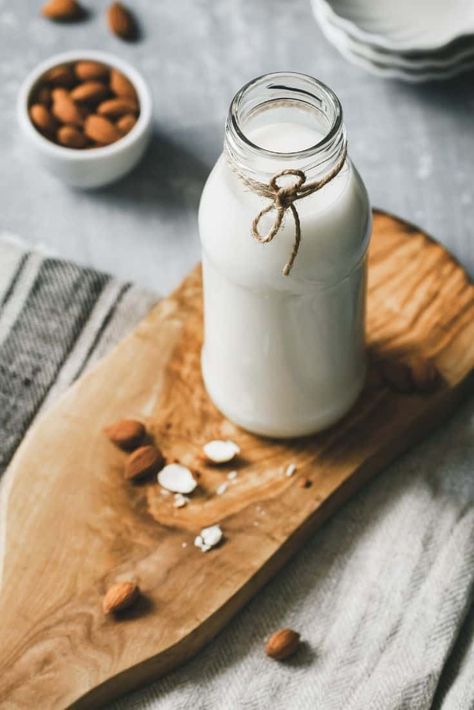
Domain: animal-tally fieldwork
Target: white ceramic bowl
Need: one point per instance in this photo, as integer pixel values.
(97, 166)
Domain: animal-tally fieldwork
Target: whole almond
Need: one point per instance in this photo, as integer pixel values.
(90, 71)
(42, 118)
(43, 96)
(424, 374)
(126, 123)
(143, 462)
(89, 91)
(121, 86)
(62, 75)
(127, 434)
(71, 137)
(62, 10)
(121, 21)
(119, 597)
(66, 111)
(282, 644)
(101, 130)
(114, 108)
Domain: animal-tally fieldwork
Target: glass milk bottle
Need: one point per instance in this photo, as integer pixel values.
(284, 261)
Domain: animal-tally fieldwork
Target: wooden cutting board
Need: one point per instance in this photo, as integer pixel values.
(74, 526)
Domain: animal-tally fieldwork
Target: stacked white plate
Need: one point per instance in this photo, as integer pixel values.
(412, 40)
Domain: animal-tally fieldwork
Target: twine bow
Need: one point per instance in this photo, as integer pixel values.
(283, 199)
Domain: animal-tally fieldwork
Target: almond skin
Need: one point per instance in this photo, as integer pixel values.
(127, 434)
(71, 137)
(121, 86)
(119, 597)
(126, 123)
(66, 111)
(121, 21)
(114, 108)
(424, 374)
(89, 91)
(42, 118)
(62, 10)
(90, 71)
(282, 644)
(62, 75)
(101, 130)
(143, 462)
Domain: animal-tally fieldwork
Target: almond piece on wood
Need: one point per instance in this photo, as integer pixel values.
(101, 130)
(126, 123)
(71, 137)
(282, 644)
(91, 71)
(114, 108)
(89, 91)
(424, 374)
(121, 86)
(127, 434)
(66, 110)
(219, 451)
(42, 118)
(62, 75)
(121, 21)
(62, 10)
(143, 462)
(119, 597)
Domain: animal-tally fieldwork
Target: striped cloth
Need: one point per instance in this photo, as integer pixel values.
(383, 592)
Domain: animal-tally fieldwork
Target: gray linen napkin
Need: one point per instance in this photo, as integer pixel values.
(383, 592)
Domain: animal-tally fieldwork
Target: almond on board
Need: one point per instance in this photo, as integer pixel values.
(127, 434)
(143, 462)
(119, 597)
(101, 130)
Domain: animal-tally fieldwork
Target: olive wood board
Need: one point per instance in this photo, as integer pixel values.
(73, 525)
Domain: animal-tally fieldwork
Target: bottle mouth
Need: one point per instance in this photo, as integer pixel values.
(276, 91)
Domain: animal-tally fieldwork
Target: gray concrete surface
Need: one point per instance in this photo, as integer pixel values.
(414, 145)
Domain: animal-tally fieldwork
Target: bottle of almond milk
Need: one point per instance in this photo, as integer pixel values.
(285, 224)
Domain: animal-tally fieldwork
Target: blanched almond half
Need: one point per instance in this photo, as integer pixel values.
(219, 451)
(177, 478)
(208, 538)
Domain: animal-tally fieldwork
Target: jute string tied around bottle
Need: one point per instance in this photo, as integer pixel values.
(283, 199)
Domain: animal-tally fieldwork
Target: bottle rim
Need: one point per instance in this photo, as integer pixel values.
(303, 86)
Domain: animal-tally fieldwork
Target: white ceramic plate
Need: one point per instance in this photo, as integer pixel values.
(381, 68)
(459, 52)
(404, 25)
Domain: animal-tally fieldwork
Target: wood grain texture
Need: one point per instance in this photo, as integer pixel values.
(74, 525)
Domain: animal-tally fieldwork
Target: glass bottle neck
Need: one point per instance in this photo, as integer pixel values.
(284, 120)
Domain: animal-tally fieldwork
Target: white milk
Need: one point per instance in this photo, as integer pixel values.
(284, 356)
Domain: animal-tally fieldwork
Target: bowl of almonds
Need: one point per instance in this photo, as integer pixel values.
(87, 116)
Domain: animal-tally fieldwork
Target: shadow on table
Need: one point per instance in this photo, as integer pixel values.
(169, 175)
